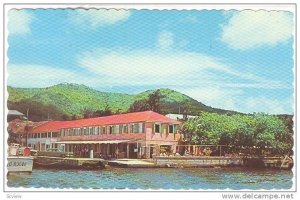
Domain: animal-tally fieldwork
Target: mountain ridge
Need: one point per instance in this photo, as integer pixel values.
(69, 100)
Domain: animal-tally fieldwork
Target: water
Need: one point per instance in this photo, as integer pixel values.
(155, 178)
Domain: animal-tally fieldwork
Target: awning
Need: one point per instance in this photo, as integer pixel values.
(93, 142)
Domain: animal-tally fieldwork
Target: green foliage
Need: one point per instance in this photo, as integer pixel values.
(152, 102)
(72, 101)
(139, 105)
(260, 130)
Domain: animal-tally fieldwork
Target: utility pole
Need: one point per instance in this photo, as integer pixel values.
(26, 128)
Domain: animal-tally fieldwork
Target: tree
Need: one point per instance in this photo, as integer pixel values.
(154, 101)
(88, 113)
(101, 113)
(139, 105)
(241, 131)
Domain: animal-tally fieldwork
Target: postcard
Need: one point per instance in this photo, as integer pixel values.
(124, 97)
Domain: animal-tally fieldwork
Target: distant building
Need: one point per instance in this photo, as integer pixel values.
(14, 114)
(18, 130)
(131, 135)
(180, 117)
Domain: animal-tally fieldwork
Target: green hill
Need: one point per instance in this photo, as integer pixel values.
(66, 101)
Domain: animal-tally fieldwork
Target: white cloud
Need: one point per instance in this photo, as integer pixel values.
(19, 22)
(152, 67)
(215, 96)
(98, 17)
(194, 82)
(249, 29)
(268, 105)
(147, 67)
(38, 75)
(165, 40)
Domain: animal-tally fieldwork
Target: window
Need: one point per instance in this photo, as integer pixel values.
(71, 132)
(96, 130)
(157, 128)
(120, 128)
(90, 131)
(62, 132)
(49, 135)
(114, 129)
(125, 128)
(103, 130)
(54, 134)
(93, 131)
(171, 128)
(131, 128)
(82, 131)
(85, 131)
(117, 129)
(141, 127)
(135, 128)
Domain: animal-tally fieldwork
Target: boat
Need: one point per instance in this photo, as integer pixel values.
(19, 159)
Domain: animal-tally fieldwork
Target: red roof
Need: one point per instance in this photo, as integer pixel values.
(146, 116)
(50, 126)
(18, 126)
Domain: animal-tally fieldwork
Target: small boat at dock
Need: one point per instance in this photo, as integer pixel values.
(19, 159)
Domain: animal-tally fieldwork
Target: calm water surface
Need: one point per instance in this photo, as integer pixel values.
(157, 178)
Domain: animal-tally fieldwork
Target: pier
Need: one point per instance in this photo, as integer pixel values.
(164, 162)
(69, 163)
(132, 163)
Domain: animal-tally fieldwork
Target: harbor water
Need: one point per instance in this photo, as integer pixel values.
(155, 178)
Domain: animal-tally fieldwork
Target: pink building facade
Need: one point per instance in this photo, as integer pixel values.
(131, 135)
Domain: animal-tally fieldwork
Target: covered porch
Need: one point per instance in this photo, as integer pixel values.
(109, 149)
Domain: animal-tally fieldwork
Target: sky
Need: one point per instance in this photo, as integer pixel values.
(237, 60)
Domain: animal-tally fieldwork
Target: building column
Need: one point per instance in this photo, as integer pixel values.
(108, 150)
(117, 151)
(194, 149)
(127, 150)
(174, 148)
(147, 151)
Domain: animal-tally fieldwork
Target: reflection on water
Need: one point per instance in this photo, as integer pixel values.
(155, 178)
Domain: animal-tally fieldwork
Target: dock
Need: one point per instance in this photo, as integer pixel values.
(197, 161)
(69, 163)
(132, 163)
(163, 162)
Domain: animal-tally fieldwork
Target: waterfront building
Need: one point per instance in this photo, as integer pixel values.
(19, 130)
(14, 114)
(180, 117)
(131, 135)
(44, 136)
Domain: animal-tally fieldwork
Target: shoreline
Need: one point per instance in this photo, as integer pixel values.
(164, 162)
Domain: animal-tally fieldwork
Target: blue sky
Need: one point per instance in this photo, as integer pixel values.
(237, 60)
